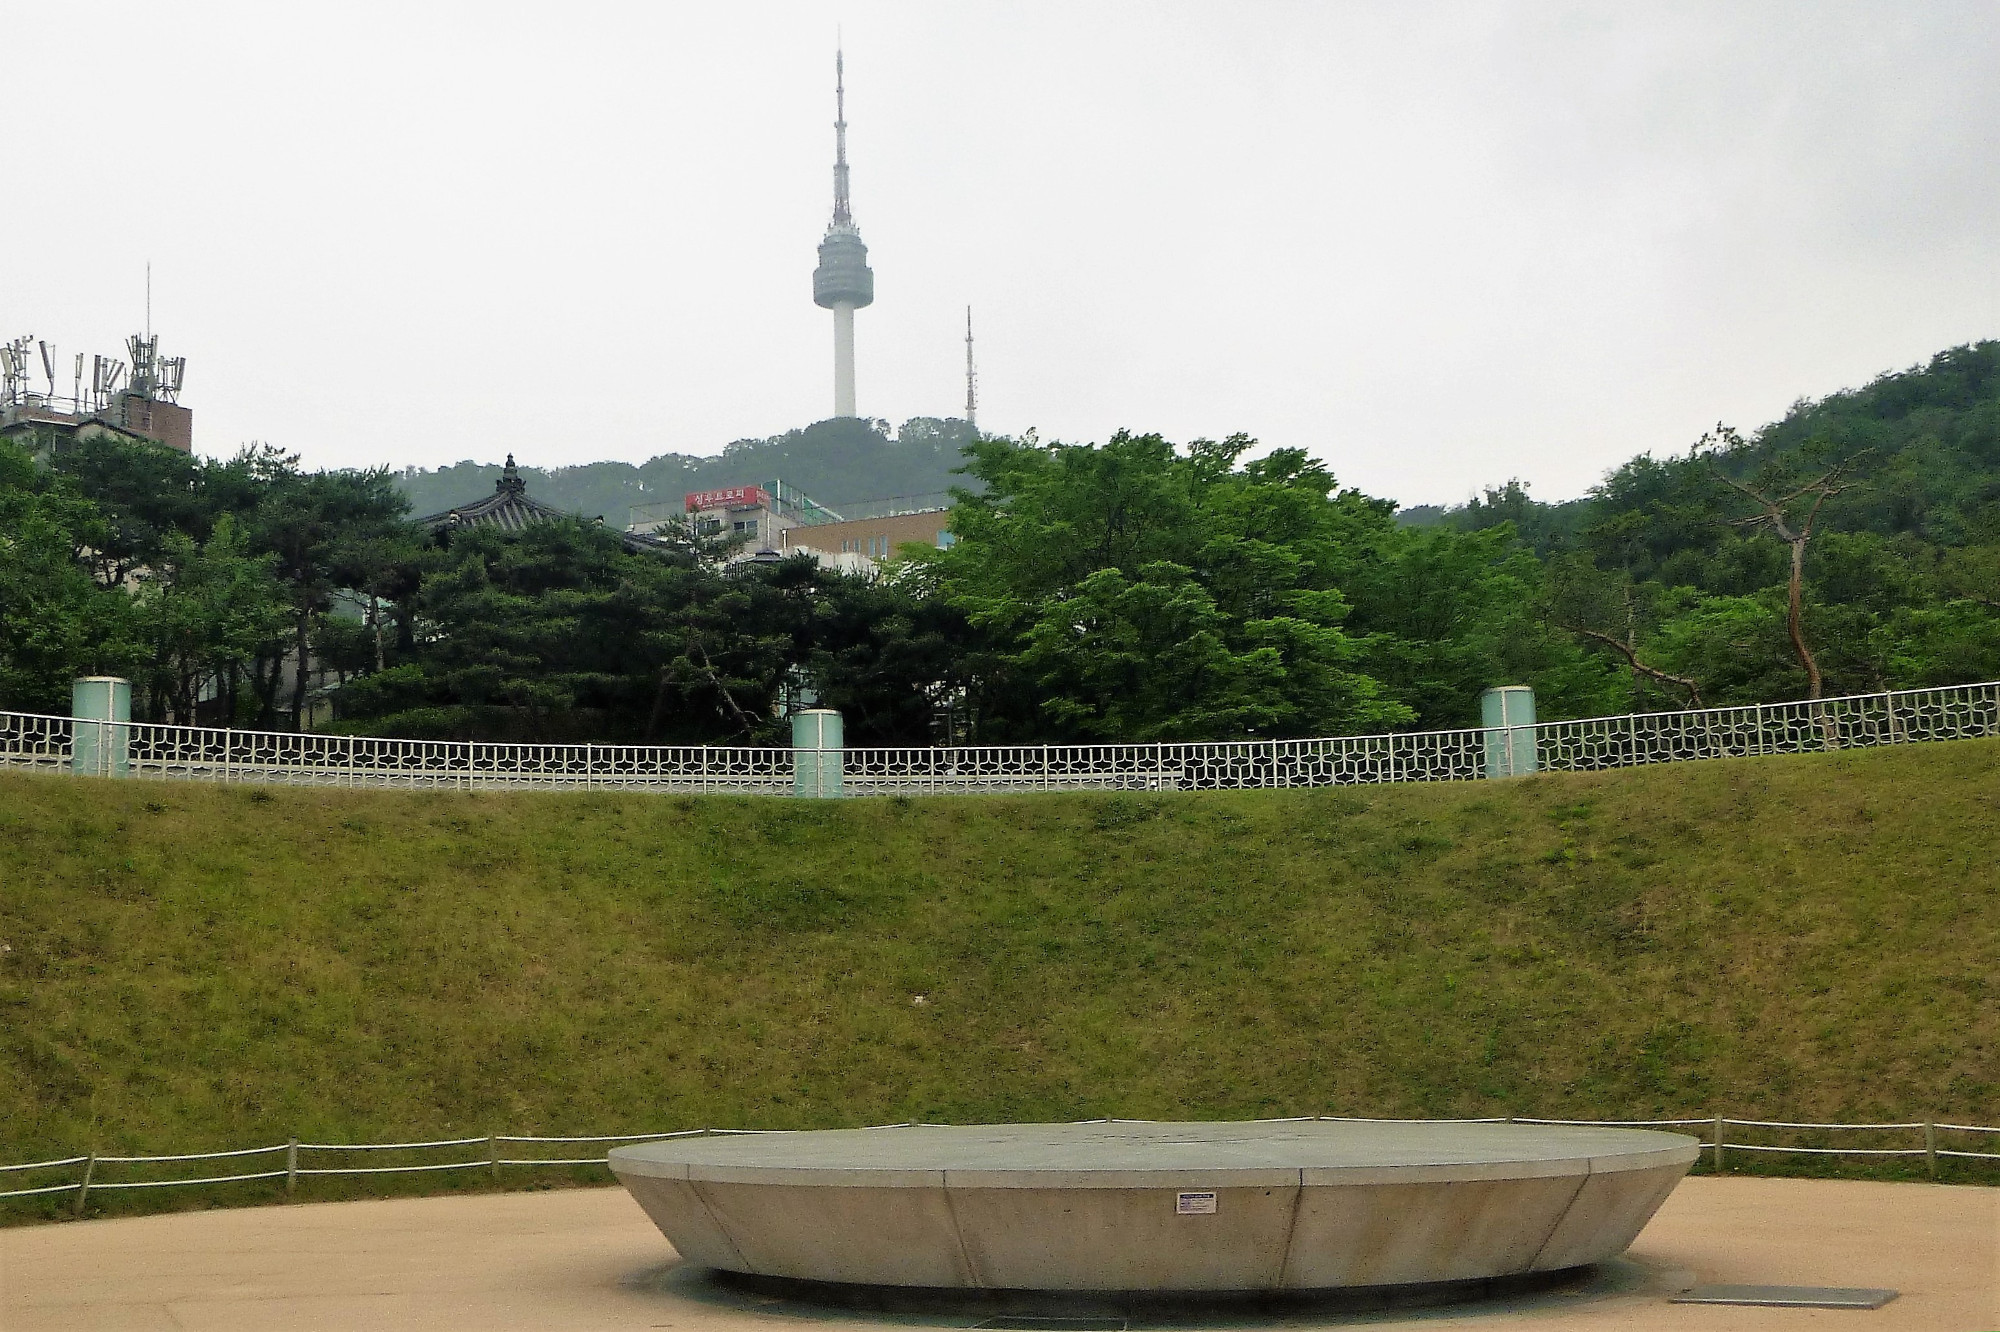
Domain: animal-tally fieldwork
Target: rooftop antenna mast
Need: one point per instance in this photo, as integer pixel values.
(971, 379)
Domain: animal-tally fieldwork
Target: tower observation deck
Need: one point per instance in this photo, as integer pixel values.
(843, 282)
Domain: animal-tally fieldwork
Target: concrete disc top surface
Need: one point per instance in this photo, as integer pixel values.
(1138, 1205)
(1129, 1153)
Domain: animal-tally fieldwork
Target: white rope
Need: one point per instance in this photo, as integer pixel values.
(47, 1165)
(169, 1183)
(188, 1156)
(1615, 1123)
(378, 1146)
(557, 1161)
(1971, 1156)
(683, 1133)
(387, 1170)
(1826, 1151)
(51, 1188)
(1780, 1124)
(1970, 1128)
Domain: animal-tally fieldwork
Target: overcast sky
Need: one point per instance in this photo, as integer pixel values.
(1438, 245)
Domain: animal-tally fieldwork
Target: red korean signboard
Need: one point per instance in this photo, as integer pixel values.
(730, 497)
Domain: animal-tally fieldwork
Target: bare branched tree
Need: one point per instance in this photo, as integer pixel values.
(1791, 517)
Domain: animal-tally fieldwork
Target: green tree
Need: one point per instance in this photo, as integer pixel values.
(56, 621)
(1134, 591)
(203, 609)
(144, 495)
(1448, 614)
(324, 530)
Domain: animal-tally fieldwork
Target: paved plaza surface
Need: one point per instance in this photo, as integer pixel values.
(589, 1259)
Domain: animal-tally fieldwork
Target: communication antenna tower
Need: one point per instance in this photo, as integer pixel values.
(971, 379)
(14, 368)
(145, 364)
(49, 365)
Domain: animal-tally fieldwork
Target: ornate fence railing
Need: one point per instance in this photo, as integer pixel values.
(148, 749)
(72, 1179)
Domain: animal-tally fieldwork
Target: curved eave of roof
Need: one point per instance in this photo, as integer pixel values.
(517, 513)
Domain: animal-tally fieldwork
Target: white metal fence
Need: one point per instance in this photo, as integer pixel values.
(294, 1160)
(146, 749)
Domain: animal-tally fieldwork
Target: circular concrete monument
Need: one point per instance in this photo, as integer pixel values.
(1139, 1205)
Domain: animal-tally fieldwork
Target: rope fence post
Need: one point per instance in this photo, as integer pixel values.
(292, 1166)
(1930, 1147)
(493, 1156)
(1718, 1144)
(83, 1185)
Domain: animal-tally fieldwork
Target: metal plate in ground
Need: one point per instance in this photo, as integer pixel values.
(1789, 1297)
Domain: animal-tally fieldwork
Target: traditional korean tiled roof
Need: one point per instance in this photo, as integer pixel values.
(510, 509)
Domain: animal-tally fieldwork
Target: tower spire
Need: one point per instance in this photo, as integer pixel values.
(971, 379)
(841, 214)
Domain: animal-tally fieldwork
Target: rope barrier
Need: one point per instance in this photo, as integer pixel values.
(493, 1161)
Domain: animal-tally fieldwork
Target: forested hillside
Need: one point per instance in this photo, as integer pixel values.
(836, 462)
(1890, 495)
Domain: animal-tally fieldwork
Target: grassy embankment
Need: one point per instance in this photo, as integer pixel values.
(190, 967)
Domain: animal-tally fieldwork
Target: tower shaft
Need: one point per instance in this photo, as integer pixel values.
(843, 359)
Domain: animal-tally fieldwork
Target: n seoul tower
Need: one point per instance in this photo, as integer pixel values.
(843, 282)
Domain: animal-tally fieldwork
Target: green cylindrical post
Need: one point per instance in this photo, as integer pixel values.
(1718, 1144)
(818, 751)
(292, 1166)
(101, 732)
(1930, 1147)
(1508, 715)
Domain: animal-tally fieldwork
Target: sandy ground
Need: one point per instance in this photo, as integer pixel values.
(588, 1259)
